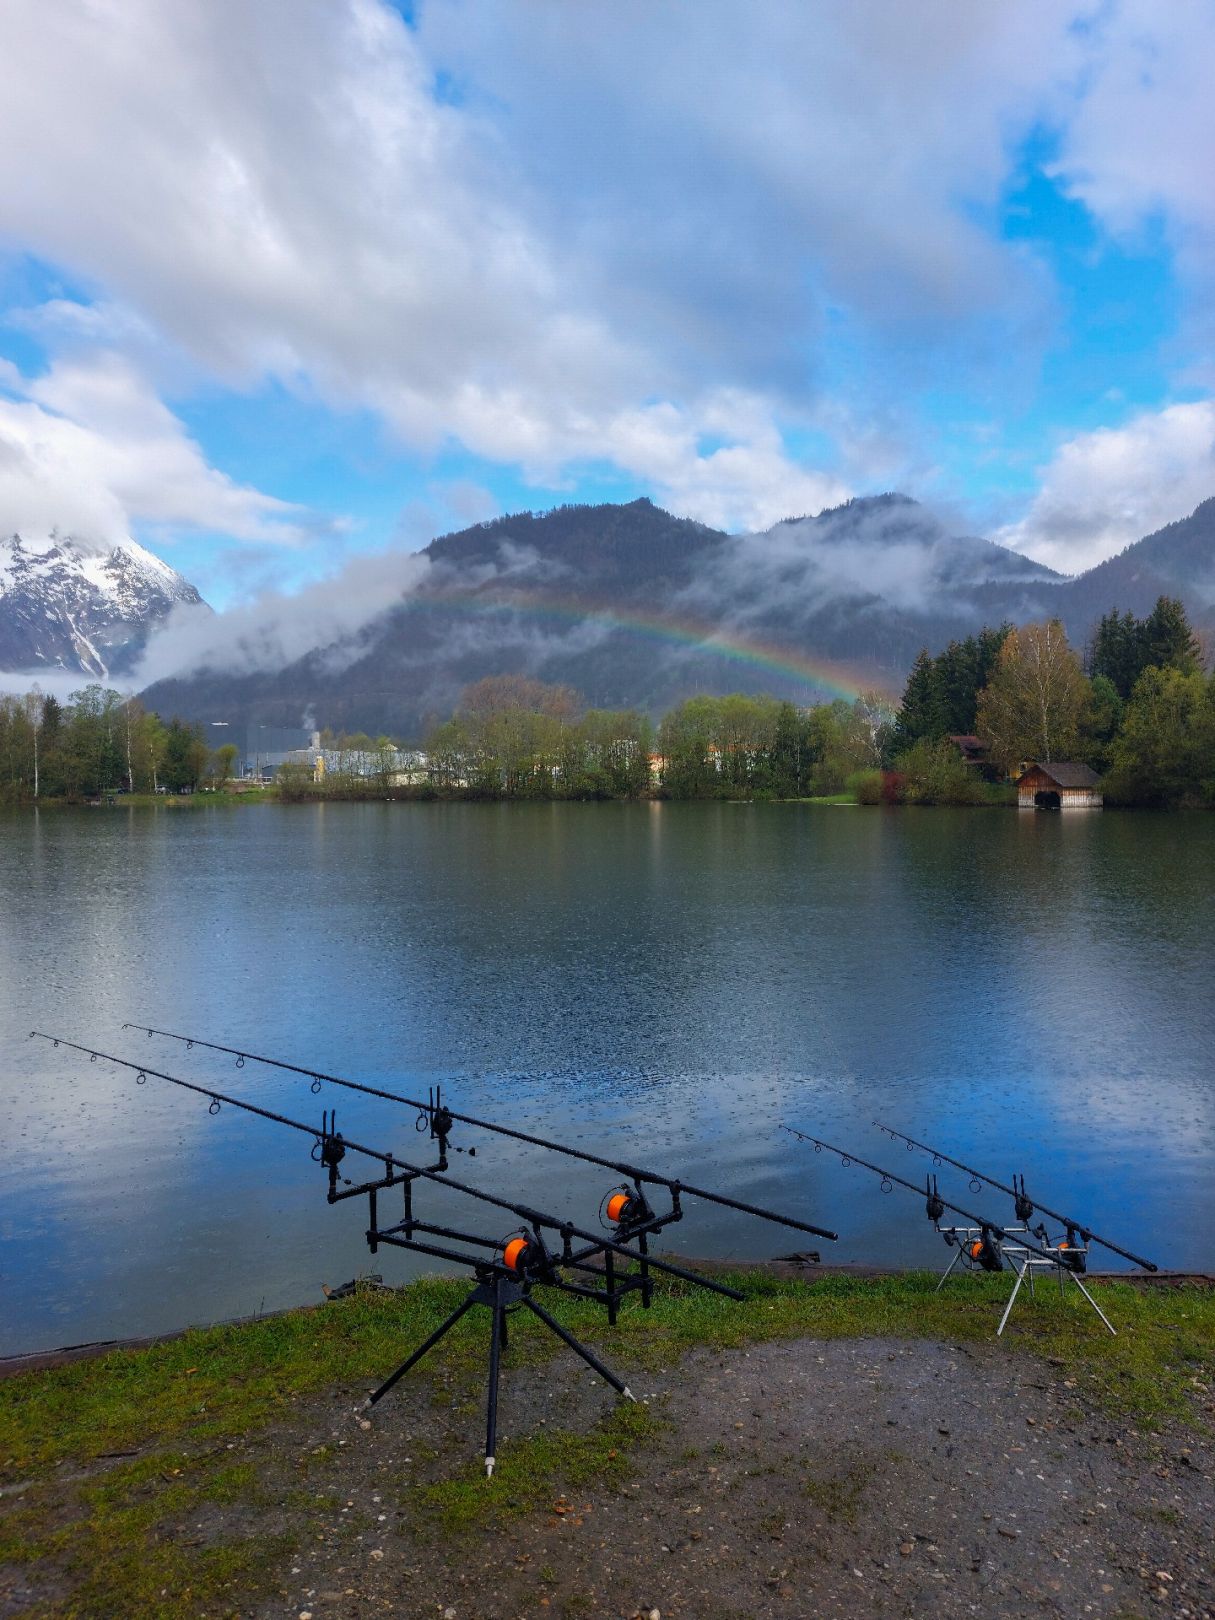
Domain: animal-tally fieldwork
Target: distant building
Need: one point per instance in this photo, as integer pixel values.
(972, 749)
(396, 767)
(975, 754)
(1058, 785)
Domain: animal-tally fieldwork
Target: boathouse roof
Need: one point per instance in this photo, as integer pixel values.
(1065, 773)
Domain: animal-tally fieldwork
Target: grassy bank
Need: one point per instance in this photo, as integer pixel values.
(105, 1463)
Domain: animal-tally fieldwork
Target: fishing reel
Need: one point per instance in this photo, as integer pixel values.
(524, 1255)
(625, 1208)
(983, 1252)
(1072, 1251)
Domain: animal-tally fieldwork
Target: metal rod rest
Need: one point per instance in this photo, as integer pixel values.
(1086, 1232)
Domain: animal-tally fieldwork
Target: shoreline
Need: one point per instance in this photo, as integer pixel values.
(12, 1366)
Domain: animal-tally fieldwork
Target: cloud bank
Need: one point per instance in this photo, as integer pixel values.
(720, 253)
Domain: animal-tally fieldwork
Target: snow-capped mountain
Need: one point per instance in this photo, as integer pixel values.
(70, 604)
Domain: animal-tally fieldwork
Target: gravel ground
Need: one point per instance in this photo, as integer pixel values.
(794, 1479)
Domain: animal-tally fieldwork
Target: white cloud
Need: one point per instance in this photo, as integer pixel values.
(89, 449)
(1105, 489)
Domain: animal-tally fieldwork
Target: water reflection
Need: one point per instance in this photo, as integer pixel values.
(668, 982)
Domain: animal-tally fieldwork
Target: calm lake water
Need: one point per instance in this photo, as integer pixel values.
(667, 983)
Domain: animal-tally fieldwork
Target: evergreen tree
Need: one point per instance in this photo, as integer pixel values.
(1124, 646)
(922, 713)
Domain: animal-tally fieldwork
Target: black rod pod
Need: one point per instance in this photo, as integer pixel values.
(674, 1186)
(986, 1227)
(517, 1264)
(1022, 1200)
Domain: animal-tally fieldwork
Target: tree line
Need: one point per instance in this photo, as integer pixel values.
(511, 737)
(1137, 706)
(99, 742)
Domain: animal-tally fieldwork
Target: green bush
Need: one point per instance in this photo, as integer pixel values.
(935, 774)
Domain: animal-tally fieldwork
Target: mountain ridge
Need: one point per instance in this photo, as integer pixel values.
(637, 608)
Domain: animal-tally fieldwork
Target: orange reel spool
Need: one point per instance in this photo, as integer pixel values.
(515, 1252)
(618, 1206)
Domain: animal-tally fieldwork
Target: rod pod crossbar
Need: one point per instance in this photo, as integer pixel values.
(1020, 1197)
(630, 1170)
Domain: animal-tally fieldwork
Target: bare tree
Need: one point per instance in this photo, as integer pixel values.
(33, 704)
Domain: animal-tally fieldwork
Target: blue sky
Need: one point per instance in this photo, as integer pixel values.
(288, 283)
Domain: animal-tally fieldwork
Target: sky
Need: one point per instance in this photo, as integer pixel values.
(289, 284)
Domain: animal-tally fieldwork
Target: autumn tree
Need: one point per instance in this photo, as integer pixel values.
(1037, 696)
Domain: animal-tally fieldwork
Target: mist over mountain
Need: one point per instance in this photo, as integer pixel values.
(634, 607)
(66, 604)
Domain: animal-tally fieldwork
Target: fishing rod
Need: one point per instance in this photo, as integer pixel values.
(340, 1145)
(1022, 1202)
(986, 1252)
(440, 1115)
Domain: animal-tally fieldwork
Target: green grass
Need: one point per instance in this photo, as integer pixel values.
(111, 1525)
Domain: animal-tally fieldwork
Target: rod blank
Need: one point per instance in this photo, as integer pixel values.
(503, 1130)
(1020, 1239)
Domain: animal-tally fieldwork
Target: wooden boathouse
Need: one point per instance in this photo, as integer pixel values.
(1058, 785)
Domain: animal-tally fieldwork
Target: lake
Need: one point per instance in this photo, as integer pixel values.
(668, 983)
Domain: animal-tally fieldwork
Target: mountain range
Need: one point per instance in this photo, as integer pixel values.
(71, 605)
(634, 607)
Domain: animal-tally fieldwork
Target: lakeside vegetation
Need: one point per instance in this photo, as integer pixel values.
(111, 1465)
(1138, 708)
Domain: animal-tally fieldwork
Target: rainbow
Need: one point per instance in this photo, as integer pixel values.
(821, 674)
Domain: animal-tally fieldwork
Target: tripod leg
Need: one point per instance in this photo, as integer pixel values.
(495, 1345)
(1012, 1298)
(421, 1351)
(945, 1275)
(591, 1359)
(1093, 1303)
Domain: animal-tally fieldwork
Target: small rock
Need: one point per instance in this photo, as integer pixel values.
(906, 1548)
(1007, 1530)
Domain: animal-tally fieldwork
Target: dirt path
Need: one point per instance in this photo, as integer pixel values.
(794, 1479)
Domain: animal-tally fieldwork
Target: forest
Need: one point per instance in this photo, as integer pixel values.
(1136, 704)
